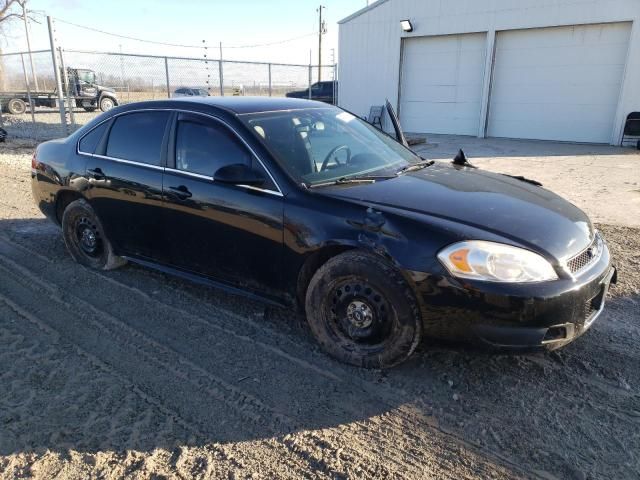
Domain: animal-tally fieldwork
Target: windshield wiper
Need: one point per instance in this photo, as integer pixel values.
(353, 179)
(415, 166)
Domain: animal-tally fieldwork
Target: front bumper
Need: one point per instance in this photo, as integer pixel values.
(547, 314)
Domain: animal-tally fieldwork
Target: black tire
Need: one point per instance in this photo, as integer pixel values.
(107, 103)
(16, 106)
(85, 239)
(362, 311)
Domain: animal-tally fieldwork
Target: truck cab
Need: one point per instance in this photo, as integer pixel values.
(88, 93)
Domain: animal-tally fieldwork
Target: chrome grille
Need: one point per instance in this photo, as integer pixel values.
(587, 256)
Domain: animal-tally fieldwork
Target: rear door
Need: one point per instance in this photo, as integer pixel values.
(228, 232)
(125, 182)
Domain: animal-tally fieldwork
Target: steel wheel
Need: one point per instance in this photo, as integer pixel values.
(362, 311)
(88, 237)
(85, 239)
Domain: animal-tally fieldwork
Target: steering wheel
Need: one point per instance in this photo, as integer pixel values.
(333, 151)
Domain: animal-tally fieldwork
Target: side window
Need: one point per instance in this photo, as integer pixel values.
(138, 137)
(203, 147)
(180, 90)
(90, 141)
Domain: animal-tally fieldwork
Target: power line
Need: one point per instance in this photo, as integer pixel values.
(166, 44)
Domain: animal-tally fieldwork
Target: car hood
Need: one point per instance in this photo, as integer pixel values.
(501, 205)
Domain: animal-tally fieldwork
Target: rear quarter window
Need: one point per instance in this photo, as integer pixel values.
(90, 141)
(138, 137)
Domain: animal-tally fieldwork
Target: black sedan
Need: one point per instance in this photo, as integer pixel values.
(305, 205)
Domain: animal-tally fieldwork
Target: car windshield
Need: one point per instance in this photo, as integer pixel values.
(322, 145)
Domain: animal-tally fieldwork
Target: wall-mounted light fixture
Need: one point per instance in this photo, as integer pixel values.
(406, 25)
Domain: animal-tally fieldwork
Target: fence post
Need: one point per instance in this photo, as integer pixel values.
(65, 78)
(56, 72)
(26, 82)
(166, 71)
(310, 80)
(269, 79)
(221, 78)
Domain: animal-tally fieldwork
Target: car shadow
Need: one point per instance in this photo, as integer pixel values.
(137, 360)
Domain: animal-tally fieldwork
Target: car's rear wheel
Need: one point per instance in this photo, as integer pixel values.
(362, 311)
(85, 239)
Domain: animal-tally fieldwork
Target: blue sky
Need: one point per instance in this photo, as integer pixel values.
(239, 22)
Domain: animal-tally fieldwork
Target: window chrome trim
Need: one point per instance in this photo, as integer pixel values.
(263, 190)
(188, 174)
(128, 162)
(211, 179)
(182, 110)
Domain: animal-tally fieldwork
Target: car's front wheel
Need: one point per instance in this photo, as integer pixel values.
(85, 238)
(362, 311)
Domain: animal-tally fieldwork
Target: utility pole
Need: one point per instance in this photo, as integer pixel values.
(56, 70)
(321, 31)
(26, 31)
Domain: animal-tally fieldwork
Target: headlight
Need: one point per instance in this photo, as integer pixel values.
(495, 262)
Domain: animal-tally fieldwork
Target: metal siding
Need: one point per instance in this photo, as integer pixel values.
(369, 54)
(558, 83)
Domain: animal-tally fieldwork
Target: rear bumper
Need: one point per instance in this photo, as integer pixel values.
(545, 315)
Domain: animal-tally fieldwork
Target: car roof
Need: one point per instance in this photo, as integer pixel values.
(237, 105)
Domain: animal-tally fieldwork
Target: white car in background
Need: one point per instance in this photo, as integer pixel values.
(190, 92)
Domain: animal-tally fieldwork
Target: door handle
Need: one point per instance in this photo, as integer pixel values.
(96, 173)
(181, 192)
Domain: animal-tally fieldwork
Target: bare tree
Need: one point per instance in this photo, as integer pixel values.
(7, 11)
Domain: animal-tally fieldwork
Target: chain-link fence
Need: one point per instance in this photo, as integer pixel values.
(31, 106)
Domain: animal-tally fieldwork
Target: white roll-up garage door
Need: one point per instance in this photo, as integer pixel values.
(441, 86)
(560, 83)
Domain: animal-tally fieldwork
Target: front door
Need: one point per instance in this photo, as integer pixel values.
(227, 232)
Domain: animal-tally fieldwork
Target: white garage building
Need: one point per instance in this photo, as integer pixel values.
(540, 69)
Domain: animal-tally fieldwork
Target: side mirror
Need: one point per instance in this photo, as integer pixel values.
(238, 174)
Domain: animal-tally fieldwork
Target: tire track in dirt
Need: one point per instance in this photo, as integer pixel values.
(193, 425)
(297, 446)
(99, 364)
(360, 431)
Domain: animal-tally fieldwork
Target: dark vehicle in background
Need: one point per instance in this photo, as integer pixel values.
(305, 205)
(320, 91)
(84, 91)
(190, 92)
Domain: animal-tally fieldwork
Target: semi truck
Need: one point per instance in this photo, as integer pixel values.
(83, 90)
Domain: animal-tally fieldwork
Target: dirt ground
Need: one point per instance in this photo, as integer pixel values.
(135, 374)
